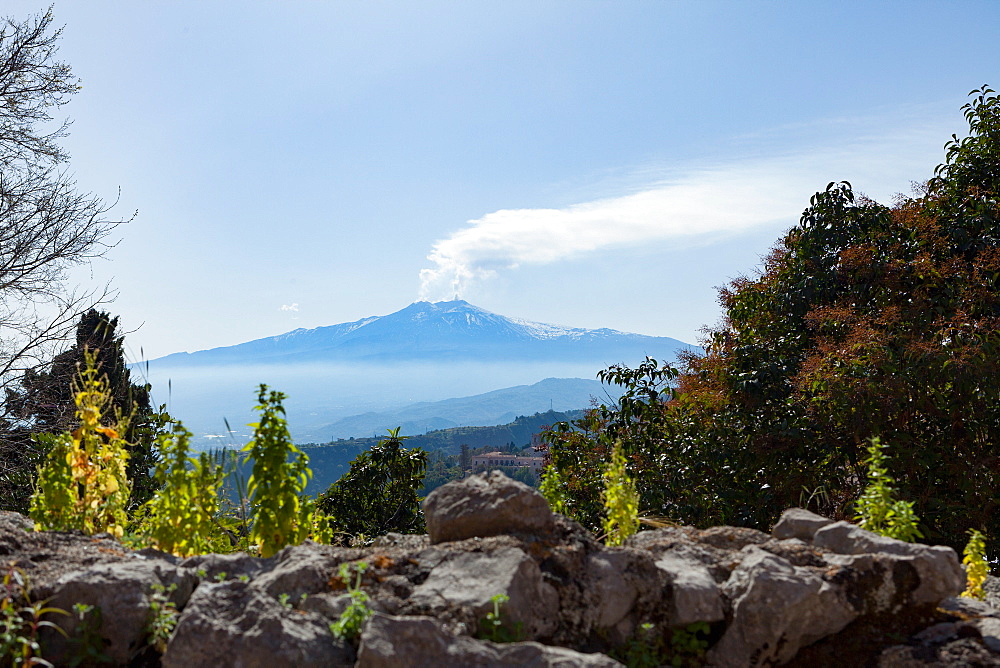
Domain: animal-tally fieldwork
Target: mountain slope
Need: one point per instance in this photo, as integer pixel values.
(490, 408)
(428, 331)
(388, 365)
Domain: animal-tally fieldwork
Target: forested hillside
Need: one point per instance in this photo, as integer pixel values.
(331, 460)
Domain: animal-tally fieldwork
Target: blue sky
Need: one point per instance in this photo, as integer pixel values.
(595, 164)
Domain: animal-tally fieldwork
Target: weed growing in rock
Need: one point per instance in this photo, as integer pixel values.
(162, 616)
(493, 627)
(20, 622)
(877, 510)
(280, 474)
(83, 484)
(688, 645)
(621, 501)
(645, 649)
(649, 649)
(87, 637)
(353, 618)
(976, 565)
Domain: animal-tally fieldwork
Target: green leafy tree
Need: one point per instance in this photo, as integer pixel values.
(379, 492)
(281, 514)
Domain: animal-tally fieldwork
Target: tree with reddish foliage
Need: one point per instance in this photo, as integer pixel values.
(865, 320)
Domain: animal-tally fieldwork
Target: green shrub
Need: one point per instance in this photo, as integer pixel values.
(281, 515)
(180, 518)
(353, 618)
(493, 627)
(20, 622)
(877, 510)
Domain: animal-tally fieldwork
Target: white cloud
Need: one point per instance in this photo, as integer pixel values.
(718, 200)
(290, 307)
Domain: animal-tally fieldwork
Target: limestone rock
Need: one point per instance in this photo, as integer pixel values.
(777, 609)
(401, 642)
(696, 596)
(235, 624)
(815, 593)
(485, 505)
(615, 595)
(799, 523)
(469, 580)
(121, 592)
(301, 569)
(941, 575)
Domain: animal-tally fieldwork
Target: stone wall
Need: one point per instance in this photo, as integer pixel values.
(812, 593)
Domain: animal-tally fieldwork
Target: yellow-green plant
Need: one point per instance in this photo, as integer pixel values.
(621, 501)
(877, 510)
(282, 516)
(82, 484)
(180, 517)
(976, 565)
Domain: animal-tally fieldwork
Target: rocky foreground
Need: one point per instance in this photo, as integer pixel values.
(812, 593)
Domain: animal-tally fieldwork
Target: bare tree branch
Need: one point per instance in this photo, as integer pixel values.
(46, 225)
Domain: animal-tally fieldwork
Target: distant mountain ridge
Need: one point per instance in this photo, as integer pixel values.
(428, 331)
(490, 408)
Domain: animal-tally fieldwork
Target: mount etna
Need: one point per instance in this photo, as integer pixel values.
(415, 368)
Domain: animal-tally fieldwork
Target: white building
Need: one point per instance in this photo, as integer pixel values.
(493, 459)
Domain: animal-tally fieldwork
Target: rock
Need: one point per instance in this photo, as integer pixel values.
(121, 592)
(989, 630)
(815, 593)
(213, 567)
(777, 609)
(966, 608)
(615, 595)
(470, 580)
(301, 569)
(235, 624)
(941, 575)
(961, 652)
(696, 597)
(992, 589)
(401, 642)
(799, 523)
(485, 505)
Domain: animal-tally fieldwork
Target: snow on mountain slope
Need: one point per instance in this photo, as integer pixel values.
(425, 330)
